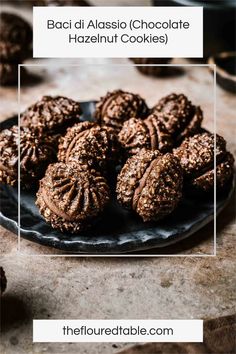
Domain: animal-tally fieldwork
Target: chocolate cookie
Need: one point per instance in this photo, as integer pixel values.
(15, 29)
(9, 74)
(148, 69)
(180, 117)
(118, 106)
(15, 46)
(36, 152)
(51, 114)
(71, 196)
(196, 156)
(149, 133)
(150, 184)
(3, 280)
(89, 143)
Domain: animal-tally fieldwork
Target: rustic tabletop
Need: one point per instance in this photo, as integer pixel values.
(43, 285)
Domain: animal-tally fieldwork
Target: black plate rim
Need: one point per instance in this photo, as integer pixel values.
(125, 247)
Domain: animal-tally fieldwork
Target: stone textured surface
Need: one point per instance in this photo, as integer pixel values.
(163, 287)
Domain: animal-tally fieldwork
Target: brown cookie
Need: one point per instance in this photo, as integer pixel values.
(51, 114)
(146, 67)
(15, 29)
(150, 184)
(179, 116)
(91, 144)
(149, 133)
(36, 152)
(118, 106)
(196, 156)
(71, 196)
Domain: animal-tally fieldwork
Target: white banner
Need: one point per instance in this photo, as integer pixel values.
(117, 32)
(117, 330)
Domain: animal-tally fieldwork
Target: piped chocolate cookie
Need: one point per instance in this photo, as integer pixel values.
(196, 156)
(36, 152)
(149, 133)
(150, 184)
(71, 196)
(118, 106)
(51, 115)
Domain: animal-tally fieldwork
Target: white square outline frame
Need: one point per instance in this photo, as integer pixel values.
(82, 255)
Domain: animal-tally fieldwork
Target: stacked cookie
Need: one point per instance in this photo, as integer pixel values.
(150, 184)
(158, 151)
(196, 155)
(36, 151)
(117, 107)
(72, 195)
(172, 119)
(15, 46)
(36, 139)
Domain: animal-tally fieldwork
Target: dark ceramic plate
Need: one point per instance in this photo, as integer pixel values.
(118, 231)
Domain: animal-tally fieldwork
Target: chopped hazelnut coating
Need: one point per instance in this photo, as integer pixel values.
(196, 156)
(151, 184)
(180, 118)
(89, 143)
(36, 152)
(149, 133)
(71, 196)
(118, 106)
(51, 114)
